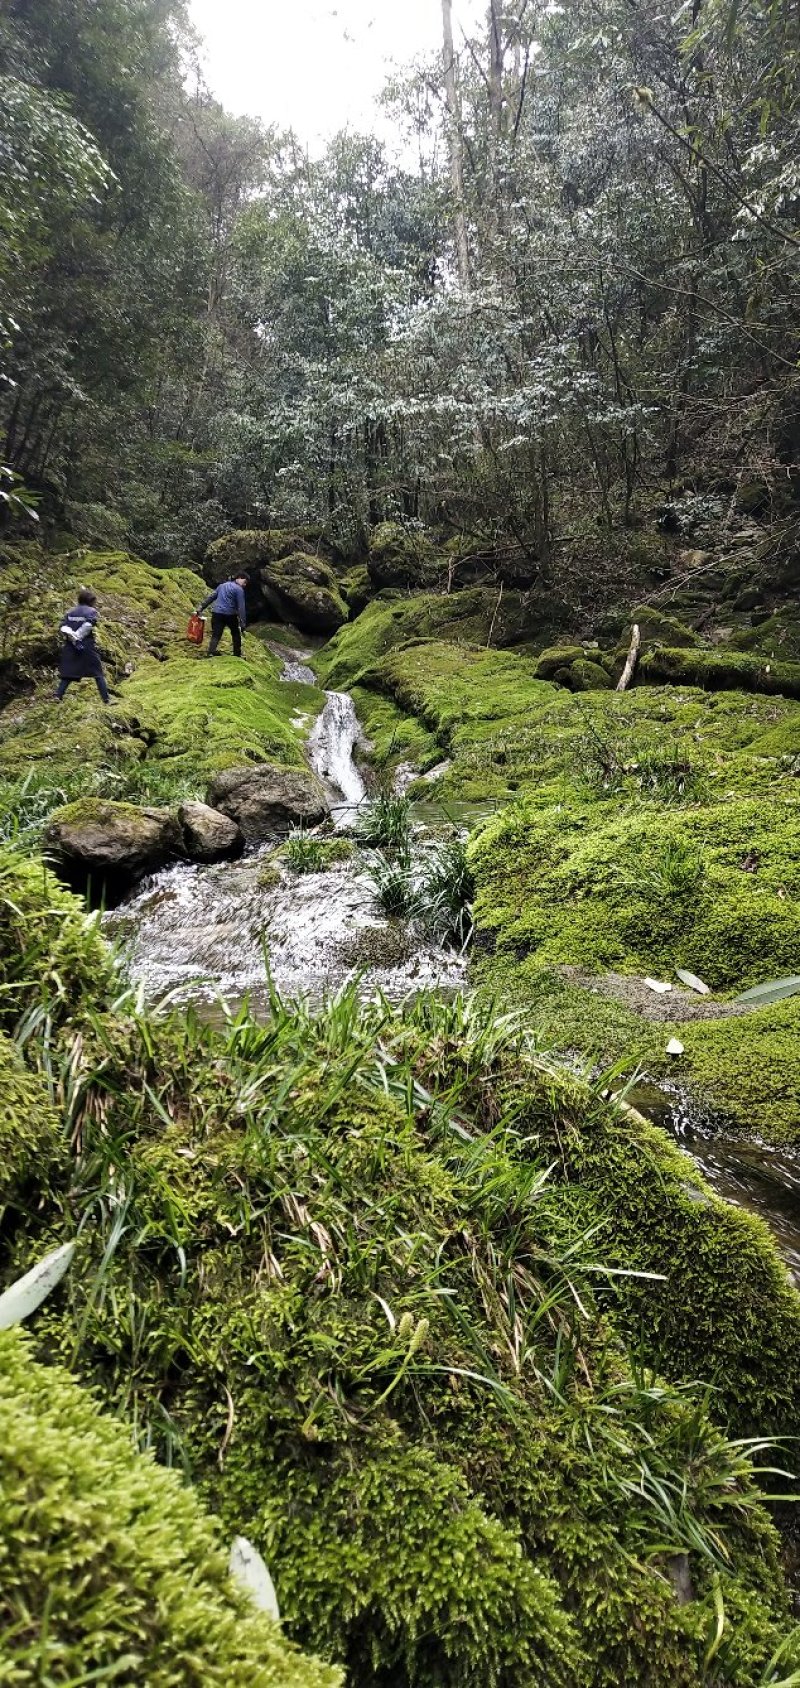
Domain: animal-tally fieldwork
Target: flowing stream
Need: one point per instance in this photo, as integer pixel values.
(210, 934)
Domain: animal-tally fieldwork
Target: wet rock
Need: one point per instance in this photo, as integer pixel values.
(106, 847)
(265, 799)
(208, 835)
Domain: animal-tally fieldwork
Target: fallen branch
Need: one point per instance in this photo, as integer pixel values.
(494, 617)
(631, 659)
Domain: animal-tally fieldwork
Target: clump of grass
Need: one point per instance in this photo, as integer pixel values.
(445, 892)
(623, 768)
(676, 871)
(385, 823)
(435, 891)
(306, 853)
(394, 881)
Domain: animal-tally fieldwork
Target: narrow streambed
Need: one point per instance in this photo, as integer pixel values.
(212, 934)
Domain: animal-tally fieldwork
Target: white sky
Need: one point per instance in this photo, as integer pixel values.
(316, 65)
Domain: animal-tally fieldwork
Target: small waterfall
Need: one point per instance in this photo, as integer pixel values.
(334, 737)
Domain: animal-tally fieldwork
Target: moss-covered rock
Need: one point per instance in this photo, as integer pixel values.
(656, 628)
(588, 676)
(429, 1507)
(776, 637)
(714, 888)
(473, 616)
(400, 556)
(305, 591)
(557, 656)
(110, 845)
(143, 610)
(110, 1567)
(720, 670)
(248, 549)
(357, 588)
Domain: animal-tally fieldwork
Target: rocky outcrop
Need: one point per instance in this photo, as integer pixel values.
(289, 581)
(304, 591)
(107, 847)
(208, 835)
(266, 800)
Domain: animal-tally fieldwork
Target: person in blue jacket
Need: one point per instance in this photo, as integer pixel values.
(229, 611)
(79, 658)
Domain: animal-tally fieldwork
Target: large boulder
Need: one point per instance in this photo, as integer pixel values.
(401, 556)
(107, 847)
(303, 590)
(248, 550)
(208, 835)
(266, 800)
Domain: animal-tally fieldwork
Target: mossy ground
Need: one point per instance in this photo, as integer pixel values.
(639, 832)
(111, 1569)
(177, 718)
(389, 1351)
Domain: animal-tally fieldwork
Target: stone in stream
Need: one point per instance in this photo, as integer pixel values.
(110, 846)
(265, 799)
(208, 835)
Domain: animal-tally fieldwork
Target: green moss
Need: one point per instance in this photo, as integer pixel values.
(202, 716)
(429, 1507)
(33, 1151)
(357, 588)
(656, 628)
(461, 618)
(110, 1567)
(777, 637)
(557, 656)
(720, 671)
(748, 1069)
(394, 735)
(143, 610)
(51, 952)
(710, 887)
(587, 676)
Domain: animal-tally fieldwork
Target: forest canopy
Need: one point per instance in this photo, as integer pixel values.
(580, 299)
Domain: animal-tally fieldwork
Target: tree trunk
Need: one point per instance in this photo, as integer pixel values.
(455, 146)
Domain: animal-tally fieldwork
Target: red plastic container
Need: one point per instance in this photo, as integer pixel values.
(196, 629)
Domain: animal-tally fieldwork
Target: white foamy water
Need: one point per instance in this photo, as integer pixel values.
(334, 737)
(208, 932)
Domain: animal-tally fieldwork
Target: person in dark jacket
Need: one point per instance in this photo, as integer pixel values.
(229, 611)
(79, 658)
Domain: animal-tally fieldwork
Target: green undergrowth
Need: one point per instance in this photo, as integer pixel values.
(111, 1570)
(354, 1271)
